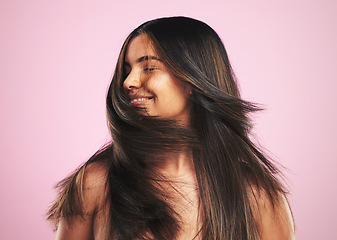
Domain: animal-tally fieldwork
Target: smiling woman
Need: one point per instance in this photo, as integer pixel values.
(181, 164)
(150, 84)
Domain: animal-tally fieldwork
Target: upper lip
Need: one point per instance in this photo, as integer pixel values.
(134, 96)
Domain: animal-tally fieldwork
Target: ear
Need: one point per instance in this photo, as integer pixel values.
(187, 89)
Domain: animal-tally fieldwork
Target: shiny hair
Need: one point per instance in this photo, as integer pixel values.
(227, 163)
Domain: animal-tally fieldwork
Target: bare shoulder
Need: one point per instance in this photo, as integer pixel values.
(88, 194)
(274, 219)
(95, 175)
(93, 180)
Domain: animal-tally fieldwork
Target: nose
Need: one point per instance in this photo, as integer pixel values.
(133, 81)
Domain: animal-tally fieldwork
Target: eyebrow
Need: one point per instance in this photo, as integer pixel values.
(144, 58)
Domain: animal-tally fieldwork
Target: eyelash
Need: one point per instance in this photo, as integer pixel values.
(149, 69)
(146, 69)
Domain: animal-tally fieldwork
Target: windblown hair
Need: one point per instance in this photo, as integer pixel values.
(227, 163)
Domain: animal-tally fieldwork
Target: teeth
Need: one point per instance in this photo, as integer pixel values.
(137, 100)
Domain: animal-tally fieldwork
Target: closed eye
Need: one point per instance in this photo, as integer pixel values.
(149, 69)
(127, 69)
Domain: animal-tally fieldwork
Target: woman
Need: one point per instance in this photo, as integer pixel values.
(181, 164)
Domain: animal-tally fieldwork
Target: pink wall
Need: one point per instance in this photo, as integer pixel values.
(57, 58)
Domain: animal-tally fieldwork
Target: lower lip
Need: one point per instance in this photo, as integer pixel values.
(141, 102)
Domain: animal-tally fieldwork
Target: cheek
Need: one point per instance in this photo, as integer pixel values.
(175, 101)
(171, 94)
(154, 83)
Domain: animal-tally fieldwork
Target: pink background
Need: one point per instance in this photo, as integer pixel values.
(57, 58)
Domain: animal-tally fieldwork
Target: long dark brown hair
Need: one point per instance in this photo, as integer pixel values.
(227, 163)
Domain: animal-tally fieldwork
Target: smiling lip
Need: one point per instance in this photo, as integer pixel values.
(139, 100)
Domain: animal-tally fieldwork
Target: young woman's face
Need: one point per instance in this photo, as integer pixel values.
(151, 86)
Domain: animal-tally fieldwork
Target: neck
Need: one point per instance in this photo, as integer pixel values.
(178, 164)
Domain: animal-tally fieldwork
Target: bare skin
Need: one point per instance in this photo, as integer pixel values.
(184, 192)
(180, 169)
(272, 225)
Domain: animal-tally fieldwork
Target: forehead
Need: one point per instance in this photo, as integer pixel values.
(138, 47)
